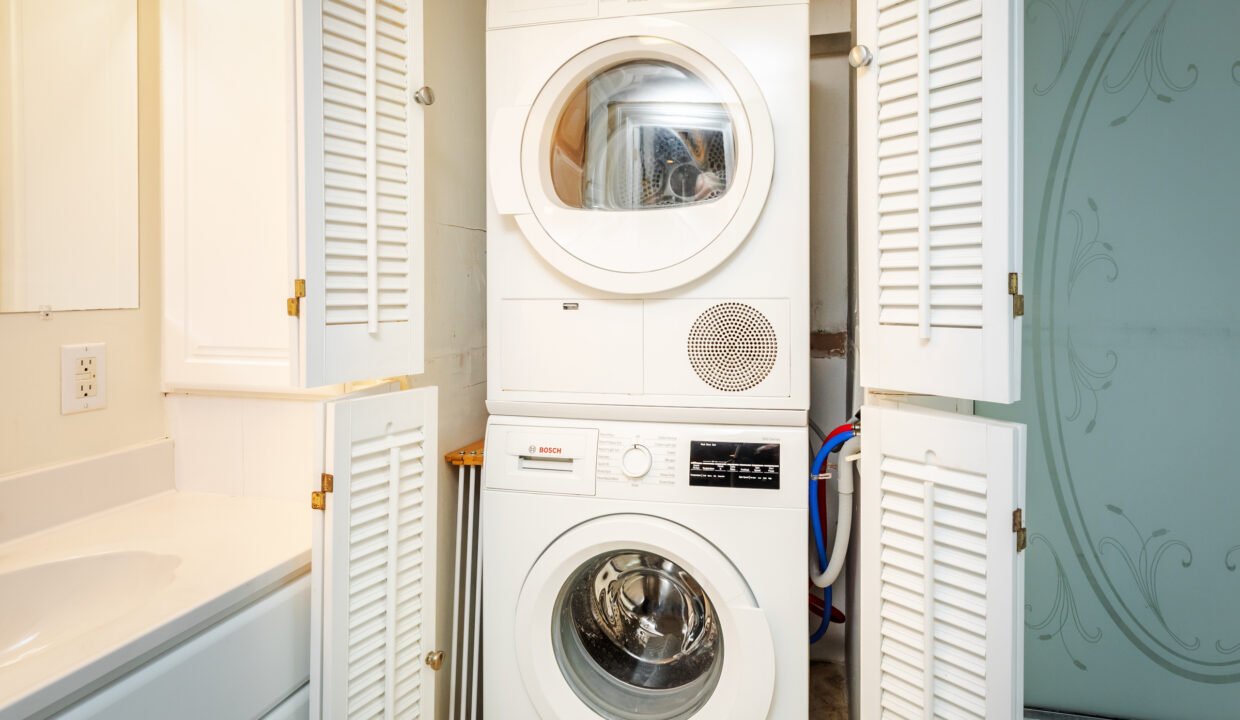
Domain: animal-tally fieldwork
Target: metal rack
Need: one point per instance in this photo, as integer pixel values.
(466, 657)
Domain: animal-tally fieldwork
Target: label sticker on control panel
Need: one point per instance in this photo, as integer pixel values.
(734, 464)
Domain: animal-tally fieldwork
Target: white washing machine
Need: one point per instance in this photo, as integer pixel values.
(644, 571)
(648, 229)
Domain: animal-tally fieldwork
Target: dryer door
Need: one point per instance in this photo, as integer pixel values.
(657, 626)
(645, 160)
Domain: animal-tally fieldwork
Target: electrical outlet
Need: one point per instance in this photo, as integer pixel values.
(83, 377)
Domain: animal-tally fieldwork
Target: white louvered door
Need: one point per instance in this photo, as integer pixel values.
(363, 182)
(939, 155)
(373, 619)
(939, 196)
(942, 583)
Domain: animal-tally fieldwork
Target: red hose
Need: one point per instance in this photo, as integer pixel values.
(816, 605)
(841, 429)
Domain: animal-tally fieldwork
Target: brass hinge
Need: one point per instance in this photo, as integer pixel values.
(294, 303)
(434, 659)
(318, 498)
(1018, 300)
(1018, 527)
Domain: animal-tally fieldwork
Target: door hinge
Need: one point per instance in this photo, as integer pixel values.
(318, 498)
(1018, 300)
(1018, 527)
(294, 303)
(434, 659)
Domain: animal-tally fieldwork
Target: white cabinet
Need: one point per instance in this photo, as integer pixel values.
(942, 575)
(939, 198)
(373, 600)
(293, 211)
(294, 707)
(368, 463)
(292, 192)
(240, 667)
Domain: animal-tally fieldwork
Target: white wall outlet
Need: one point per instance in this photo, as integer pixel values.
(83, 378)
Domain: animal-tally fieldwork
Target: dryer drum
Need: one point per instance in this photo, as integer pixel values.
(640, 135)
(636, 636)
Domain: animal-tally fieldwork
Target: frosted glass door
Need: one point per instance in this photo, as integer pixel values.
(1132, 243)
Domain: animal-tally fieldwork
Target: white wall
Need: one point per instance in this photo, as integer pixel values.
(455, 256)
(32, 430)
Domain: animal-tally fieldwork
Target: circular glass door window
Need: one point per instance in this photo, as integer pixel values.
(640, 135)
(637, 638)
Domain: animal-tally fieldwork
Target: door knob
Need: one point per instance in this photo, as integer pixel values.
(424, 96)
(860, 56)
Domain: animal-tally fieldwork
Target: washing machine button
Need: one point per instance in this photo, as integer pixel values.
(636, 461)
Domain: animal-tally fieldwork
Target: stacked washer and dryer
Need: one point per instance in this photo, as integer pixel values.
(648, 295)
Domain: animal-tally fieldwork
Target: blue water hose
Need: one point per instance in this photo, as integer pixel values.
(820, 543)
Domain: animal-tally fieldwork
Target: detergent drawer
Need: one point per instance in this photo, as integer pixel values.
(541, 459)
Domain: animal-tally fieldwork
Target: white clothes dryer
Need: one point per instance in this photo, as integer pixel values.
(644, 571)
(648, 235)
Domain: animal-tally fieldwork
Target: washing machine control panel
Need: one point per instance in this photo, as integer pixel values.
(637, 457)
(757, 466)
(648, 460)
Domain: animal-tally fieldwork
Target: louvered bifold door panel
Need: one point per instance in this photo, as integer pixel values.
(941, 577)
(378, 559)
(363, 162)
(938, 162)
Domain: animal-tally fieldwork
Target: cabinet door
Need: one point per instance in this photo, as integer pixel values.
(228, 101)
(942, 578)
(362, 239)
(939, 196)
(373, 572)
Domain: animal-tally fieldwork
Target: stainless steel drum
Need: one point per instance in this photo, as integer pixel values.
(636, 636)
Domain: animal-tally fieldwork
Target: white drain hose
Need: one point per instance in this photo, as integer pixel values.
(848, 455)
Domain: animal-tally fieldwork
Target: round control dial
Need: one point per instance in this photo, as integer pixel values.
(636, 461)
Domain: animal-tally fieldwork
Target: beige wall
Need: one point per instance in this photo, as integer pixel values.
(830, 108)
(32, 430)
(830, 16)
(455, 258)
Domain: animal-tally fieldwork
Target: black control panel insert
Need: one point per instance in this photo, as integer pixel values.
(734, 464)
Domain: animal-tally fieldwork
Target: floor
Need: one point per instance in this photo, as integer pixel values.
(828, 696)
(828, 691)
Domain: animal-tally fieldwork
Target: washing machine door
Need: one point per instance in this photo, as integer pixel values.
(644, 161)
(632, 617)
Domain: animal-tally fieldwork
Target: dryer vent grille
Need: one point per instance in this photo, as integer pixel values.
(732, 347)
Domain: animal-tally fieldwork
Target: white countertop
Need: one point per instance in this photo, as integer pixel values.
(230, 550)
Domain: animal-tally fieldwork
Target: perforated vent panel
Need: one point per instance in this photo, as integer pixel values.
(732, 347)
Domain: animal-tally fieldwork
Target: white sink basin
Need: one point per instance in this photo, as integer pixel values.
(54, 602)
(84, 601)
